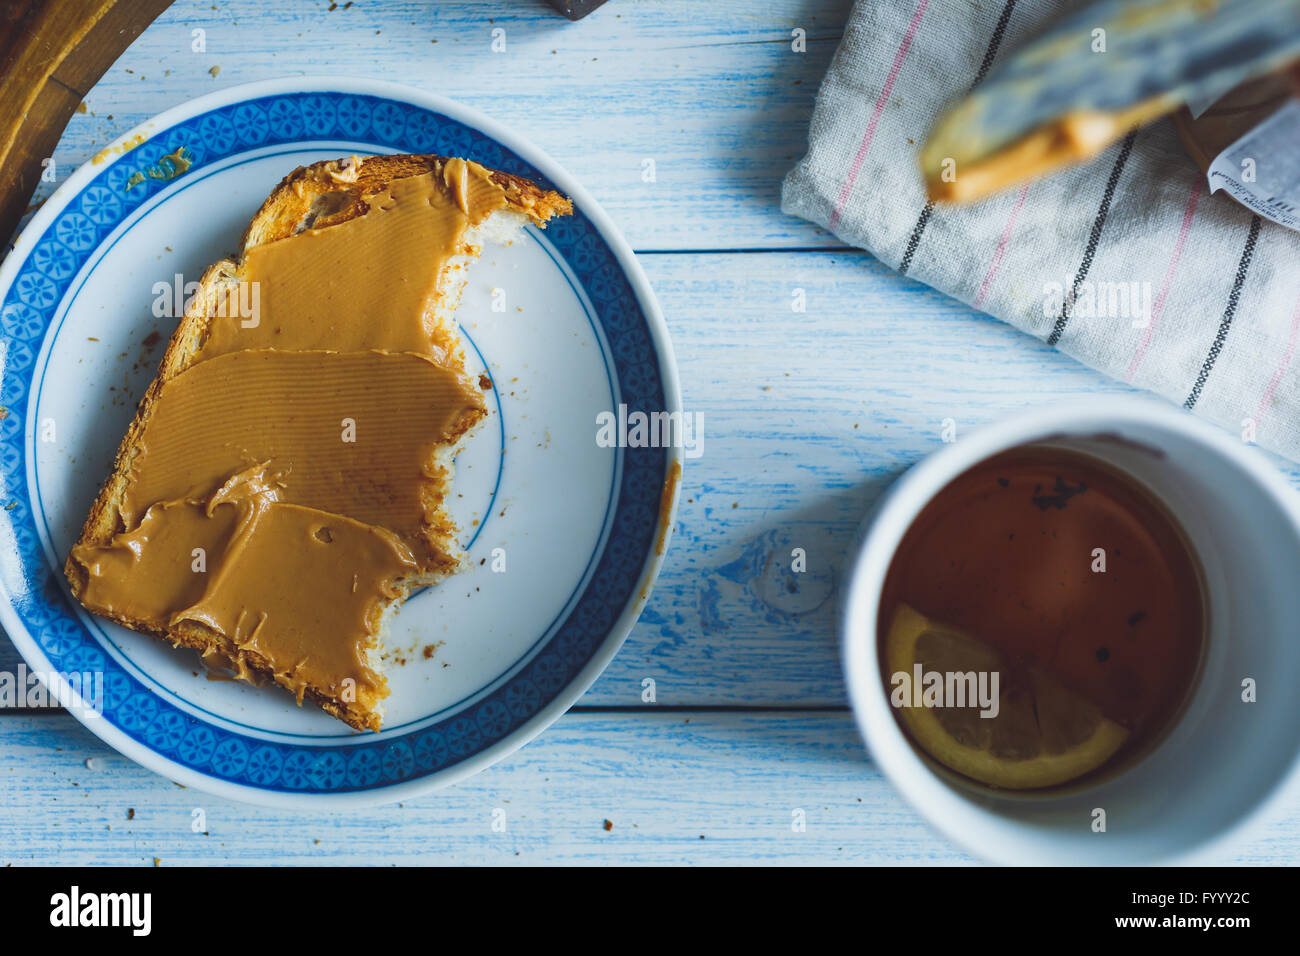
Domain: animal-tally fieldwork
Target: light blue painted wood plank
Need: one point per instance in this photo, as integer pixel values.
(715, 788)
(784, 462)
(712, 92)
(808, 417)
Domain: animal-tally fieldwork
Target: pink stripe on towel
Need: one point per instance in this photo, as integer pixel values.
(1158, 305)
(1001, 250)
(881, 100)
(1281, 367)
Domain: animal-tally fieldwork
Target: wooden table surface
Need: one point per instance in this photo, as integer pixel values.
(808, 416)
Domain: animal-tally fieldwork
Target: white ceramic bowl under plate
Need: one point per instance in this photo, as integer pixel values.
(582, 528)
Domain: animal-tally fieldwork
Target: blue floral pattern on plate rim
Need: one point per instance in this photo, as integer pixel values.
(40, 284)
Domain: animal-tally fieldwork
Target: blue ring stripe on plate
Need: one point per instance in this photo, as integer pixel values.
(143, 676)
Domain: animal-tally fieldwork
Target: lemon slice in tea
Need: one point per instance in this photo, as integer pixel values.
(1042, 735)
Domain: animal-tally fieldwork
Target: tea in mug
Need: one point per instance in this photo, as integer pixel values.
(1042, 621)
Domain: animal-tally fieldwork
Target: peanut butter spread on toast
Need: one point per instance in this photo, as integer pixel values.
(349, 433)
(287, 485)
(317, 292)
(290, 584)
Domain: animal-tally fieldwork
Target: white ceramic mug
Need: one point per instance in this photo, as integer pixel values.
(1227, 764)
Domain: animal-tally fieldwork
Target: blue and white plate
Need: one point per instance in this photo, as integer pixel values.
(564, 535)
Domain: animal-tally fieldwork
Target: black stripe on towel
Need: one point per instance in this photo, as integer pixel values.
(989, 54)
(1234, 297)
(1093, 238)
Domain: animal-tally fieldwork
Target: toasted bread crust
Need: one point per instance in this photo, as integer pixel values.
(328, 193)
(323, 194)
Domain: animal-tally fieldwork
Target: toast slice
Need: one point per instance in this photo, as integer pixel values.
(406, 338)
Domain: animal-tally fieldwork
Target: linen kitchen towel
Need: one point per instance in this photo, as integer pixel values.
(1127, 263)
